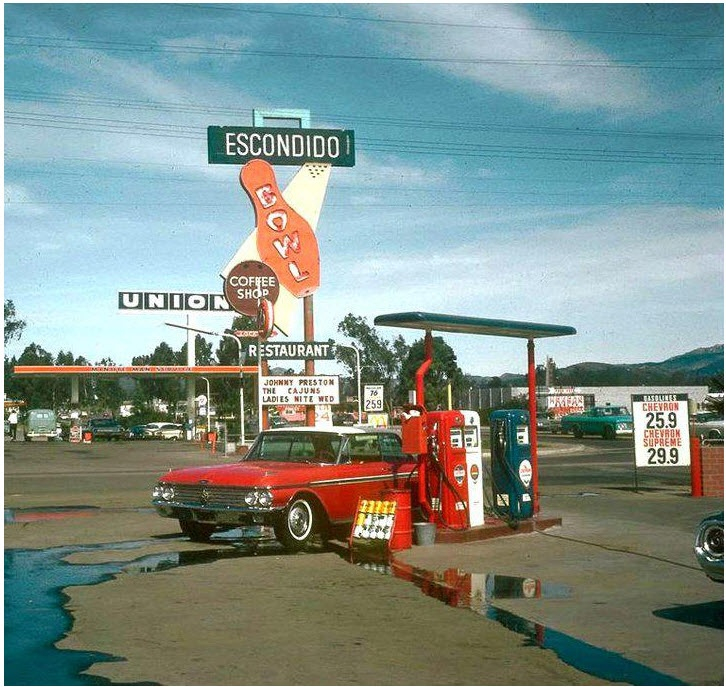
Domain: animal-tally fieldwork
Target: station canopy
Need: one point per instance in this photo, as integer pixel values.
(472, 325)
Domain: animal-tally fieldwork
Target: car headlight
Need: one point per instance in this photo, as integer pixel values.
(258, 497)
(163, 491)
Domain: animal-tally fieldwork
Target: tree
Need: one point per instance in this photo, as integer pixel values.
(37, 392)
(226, 396)
(13, 326)
(380, 359)
(444, 370)
(169, 390)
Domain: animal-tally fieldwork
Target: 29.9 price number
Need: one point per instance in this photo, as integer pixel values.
(663, 456)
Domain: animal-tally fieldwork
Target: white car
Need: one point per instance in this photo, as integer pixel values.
(707, 425)
(164, 430)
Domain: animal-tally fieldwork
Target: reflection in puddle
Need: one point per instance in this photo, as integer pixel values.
(475, 591)
(34, 581)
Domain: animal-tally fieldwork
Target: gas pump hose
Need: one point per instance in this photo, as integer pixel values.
(494, 509)
(435, 455)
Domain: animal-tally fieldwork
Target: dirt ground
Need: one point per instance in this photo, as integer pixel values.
(263, 617)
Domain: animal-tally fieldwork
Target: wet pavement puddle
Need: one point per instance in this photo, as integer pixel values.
(34, 598)
(476, 592)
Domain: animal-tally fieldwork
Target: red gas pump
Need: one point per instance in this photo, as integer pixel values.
(438, 440)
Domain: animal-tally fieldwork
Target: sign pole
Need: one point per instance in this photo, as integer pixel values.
(191, 386)
(309, 335)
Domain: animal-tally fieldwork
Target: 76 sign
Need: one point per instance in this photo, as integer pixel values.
(373, 398)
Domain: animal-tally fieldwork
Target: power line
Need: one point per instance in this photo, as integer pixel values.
(24, 95)
(463, 25)
(119, 46)
(448, 149)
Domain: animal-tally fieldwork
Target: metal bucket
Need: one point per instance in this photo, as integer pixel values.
(424, 533)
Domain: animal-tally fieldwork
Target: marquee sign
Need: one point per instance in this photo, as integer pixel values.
(234, 145)
(320, 389)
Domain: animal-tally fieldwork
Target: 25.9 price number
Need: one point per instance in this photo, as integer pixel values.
(661, 420)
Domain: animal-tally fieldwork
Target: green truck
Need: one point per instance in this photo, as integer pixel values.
(609, 422)
(41, 425)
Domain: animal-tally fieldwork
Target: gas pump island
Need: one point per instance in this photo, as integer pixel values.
(451, 490)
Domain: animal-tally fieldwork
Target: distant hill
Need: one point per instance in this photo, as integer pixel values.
(698, 367)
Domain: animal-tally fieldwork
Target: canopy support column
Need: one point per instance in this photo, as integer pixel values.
(532, 384)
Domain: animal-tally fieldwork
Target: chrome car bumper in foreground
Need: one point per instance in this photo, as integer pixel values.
(213, 504)
(708, 546)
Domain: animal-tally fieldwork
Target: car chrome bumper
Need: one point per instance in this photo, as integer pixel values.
(221, 515)
(708, 547)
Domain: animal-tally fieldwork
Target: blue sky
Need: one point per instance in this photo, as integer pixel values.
(547, 163)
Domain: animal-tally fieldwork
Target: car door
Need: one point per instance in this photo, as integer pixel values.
(361, 472)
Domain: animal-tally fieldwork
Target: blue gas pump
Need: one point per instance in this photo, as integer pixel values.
(511, 463)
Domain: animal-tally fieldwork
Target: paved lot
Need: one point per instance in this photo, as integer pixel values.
(619, 575)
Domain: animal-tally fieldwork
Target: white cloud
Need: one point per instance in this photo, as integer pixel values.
(20, 203)
(569, 87)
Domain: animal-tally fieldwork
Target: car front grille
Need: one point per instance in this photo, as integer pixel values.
(208, 495)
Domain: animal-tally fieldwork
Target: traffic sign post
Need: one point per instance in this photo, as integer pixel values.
(373, 398)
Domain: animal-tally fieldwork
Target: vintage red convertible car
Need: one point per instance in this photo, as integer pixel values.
(299, 480)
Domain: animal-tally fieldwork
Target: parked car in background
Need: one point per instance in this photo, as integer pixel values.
(344, 419)
(105, 428)
(279, 421)
(299, 480)
(169, 431)
(606, 421)
(41, 425)
(708, 546)
(707, 425)
(544, 422)
(135, 432)
(150, 429)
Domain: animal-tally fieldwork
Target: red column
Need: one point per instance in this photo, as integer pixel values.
(532, 384)
(696, 468)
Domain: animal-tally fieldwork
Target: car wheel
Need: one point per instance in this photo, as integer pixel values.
(608, 432)
(577, 432)
(196, 531)
(714, 434)
(298, 525)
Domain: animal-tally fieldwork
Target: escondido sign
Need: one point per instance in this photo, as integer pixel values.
(172, 300)
(233, 145)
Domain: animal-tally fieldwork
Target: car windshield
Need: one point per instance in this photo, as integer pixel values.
(614, 411)
(295, 447)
